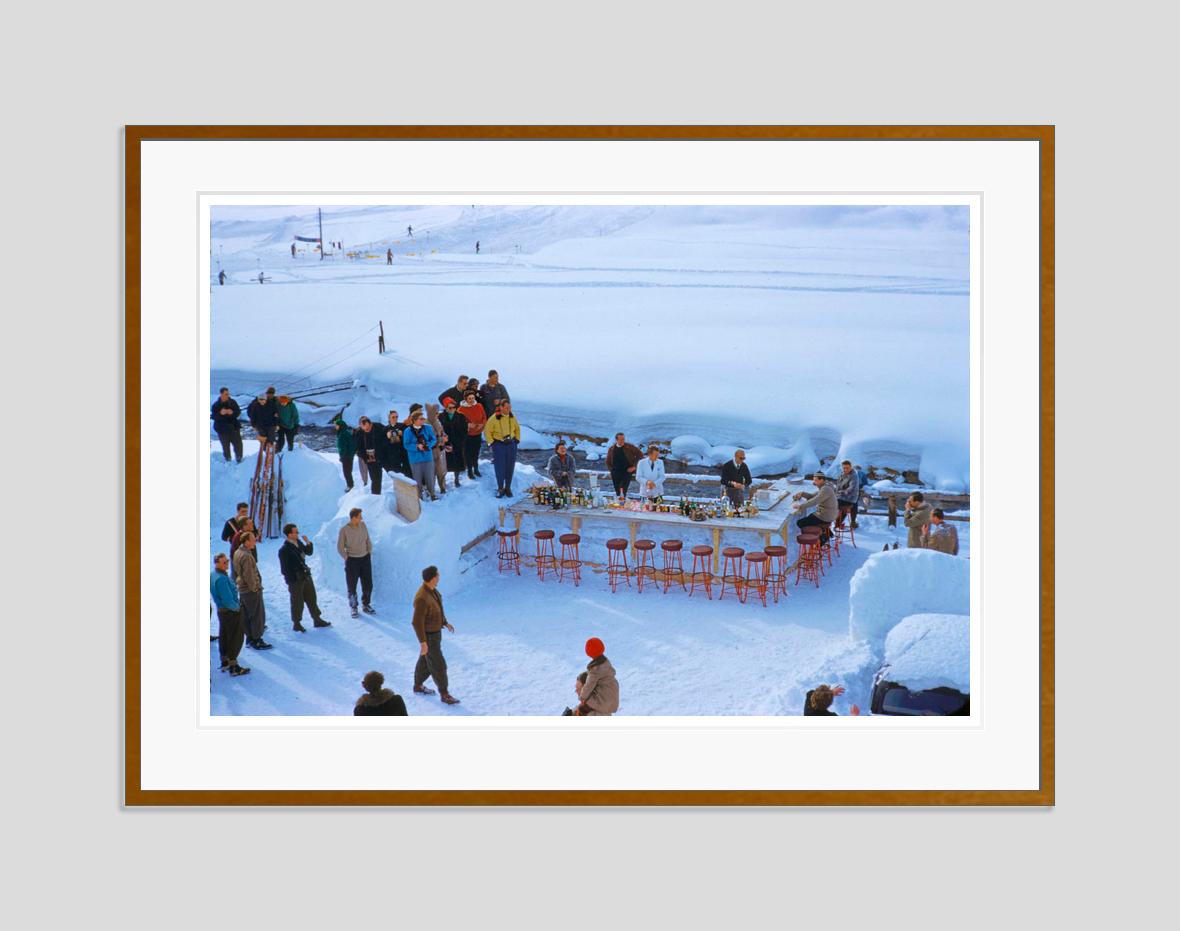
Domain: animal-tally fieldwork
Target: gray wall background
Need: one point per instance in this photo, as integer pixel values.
(73, 77)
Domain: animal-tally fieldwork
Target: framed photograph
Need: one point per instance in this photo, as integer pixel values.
(604, 459)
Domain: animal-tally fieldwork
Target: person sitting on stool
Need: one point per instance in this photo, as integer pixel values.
(823, 499)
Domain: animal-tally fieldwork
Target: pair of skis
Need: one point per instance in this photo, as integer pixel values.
(267, 496)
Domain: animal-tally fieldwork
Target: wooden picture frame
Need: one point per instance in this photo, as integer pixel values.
(135, 792)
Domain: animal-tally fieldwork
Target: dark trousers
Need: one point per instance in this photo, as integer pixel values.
(229, 634)
(288, 434)
(471, 454)
(346, 468)
(433, 665)
(231, 439)
(737, 496)
(810, 520)
(363, 468)
(359, 568)
(621, 481)
(850, 506)
(504, 462)
(253, 614)
(303, 593)
(268, 435)
(373, 467)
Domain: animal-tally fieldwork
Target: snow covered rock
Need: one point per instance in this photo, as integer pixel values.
(895, 584)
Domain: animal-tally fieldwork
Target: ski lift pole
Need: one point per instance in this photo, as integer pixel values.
(381, 338)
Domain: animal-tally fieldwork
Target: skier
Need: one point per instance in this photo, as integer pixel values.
(378, 701)
(288, 415)
(454, 426)
(249, 579)
(561, 467)
(370, 447)
(503, 435)
(419, 441)
(263, 415)
(428, 622)
(736, 478)
(477, 247)
(225, 415)
(221, 277)
(410, 231)
(598, 695)
(229, 616)
(650, 473)
(476, 418)
(235, 523)
(261, 278)
(356, 549)
(297, 575)
(388, 256)
(345, 447)
(292, 250)
(621, 461)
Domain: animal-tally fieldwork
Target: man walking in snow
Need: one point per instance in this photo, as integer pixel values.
(225, 415)
(388, 256)
(848, 490)
(940, 535)
(410, 231)
(428, 621)
(503, 435)
(229, 616)
(249, 580)
(297, 575)
(264, 416)
(221, 277)
(917, 518)
(477, 247)
(356, 549)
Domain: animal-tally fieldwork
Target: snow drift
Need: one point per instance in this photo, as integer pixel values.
(925, 651)
(895, 584)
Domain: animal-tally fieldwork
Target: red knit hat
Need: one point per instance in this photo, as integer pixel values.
(594, 648)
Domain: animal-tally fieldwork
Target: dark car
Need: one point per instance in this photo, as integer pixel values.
(926, 670)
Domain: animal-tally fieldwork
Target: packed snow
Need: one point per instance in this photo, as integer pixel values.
(926, 651)
(891, 586)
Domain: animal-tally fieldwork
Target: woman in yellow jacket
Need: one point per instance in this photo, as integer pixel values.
(503, 435)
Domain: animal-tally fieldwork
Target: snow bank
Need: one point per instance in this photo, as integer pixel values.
(895, 584)
(925, 651)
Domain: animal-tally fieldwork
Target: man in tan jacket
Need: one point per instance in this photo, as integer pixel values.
(940, 535)
(917, 517)
(823, 499)
(249, 581)
(429, 621)
(356, 549)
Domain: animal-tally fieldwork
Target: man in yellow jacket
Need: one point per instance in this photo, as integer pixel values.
(503, 435)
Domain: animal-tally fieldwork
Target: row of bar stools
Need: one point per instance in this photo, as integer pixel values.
(776, 570)
(702, 556)
(731, 571)
(842, 530)
(645, 564)
(616, 562)
(508, 556)
(755, 576)
(673, 566)
(570, 558)
(810, 562)
(546, 557)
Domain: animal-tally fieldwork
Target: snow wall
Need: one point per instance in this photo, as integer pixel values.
(892, 585)
(926, 651)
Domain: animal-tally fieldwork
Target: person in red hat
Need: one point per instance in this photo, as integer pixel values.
(598, 696)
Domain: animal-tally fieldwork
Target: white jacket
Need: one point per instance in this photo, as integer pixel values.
(646, 472)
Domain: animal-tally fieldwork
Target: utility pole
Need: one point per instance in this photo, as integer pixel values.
(381, 338)
(320, 214)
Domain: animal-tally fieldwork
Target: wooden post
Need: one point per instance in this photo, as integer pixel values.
(716, 549)
(516, 519)
(575, 524)
(634, 530)
(381, 338)
(501, 517)
(892, 511)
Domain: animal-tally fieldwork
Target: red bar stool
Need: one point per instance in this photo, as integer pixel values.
(673, 566)
(843, 530)
(813, 536)
(616, 562)
(570, 558)
(546, 557)
(731, 570)
(776, 570)
(810, 562)
(702, 556)
(645, 563)
(756, 564)
(507, 554)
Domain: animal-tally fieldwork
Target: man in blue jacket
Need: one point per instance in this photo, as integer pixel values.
(229, 616)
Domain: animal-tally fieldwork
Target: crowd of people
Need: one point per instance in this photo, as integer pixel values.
(472, 415)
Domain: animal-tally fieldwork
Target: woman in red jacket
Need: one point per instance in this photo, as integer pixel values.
(476, 418)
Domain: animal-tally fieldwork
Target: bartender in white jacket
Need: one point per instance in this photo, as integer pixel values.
(650, 474)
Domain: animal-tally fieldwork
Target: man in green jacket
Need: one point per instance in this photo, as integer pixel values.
(345, 447)
(288, 423)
